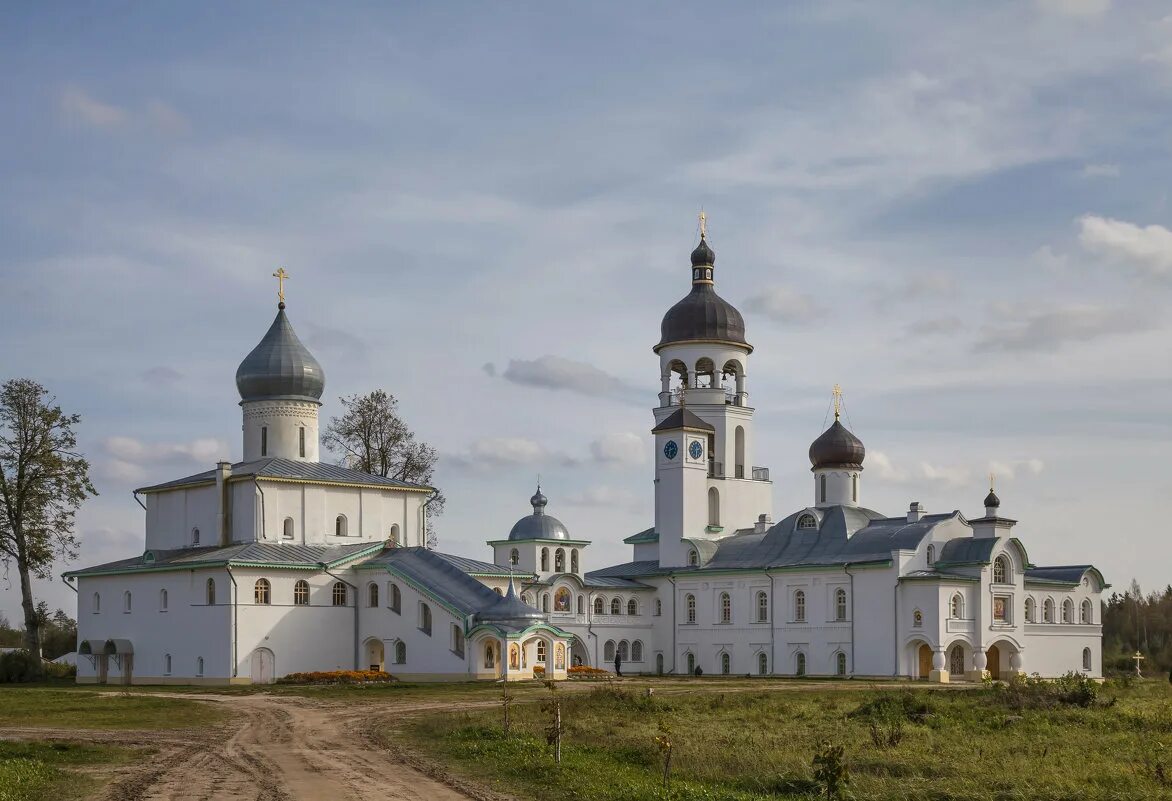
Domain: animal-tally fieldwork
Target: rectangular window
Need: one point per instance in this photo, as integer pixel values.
(301, 441)
(264, 440)
(1001, 609)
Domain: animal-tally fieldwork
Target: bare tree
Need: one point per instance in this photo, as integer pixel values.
(43, 481)
(371, 436)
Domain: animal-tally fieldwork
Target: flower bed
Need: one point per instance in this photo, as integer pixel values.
(338, 677)
(586, 670)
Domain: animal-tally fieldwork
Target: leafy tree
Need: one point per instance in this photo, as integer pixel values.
(371, 436)
(1137, 622)
(43, 481)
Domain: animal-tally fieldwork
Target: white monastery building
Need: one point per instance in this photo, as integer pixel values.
(283, 563)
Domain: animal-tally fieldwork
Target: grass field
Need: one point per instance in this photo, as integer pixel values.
(36, 771)
(54, 707)
(752, 744)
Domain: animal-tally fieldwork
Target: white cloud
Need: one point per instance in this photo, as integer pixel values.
(503, 451)
(136, 452)
(783, 305)
(622, 448)
(1036, 327)
(1147, 249)
(559, 373)
(945, 475)
(80, 106)
(879, 462)
(1009, 468)
(166, 118)
(1049, 259)
(1100, 171)
(1075, 8)
(935, 326)
(606, 497)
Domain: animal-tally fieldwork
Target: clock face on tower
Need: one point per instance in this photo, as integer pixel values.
(671, 449)
(696, 450)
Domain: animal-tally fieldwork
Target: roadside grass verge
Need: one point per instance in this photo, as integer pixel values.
(52, 707)
(914, 743)
(38, 771)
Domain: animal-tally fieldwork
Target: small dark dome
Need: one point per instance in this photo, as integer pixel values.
(539, 525)
(510, 611)
(280, 367)
(837, 447)
(703, 255)
(991, 500)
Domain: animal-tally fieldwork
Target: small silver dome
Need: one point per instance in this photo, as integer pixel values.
(539, 525)
(510, 611)
(280, 366)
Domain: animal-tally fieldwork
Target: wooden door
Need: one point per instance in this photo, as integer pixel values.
(262, 666)
(993, 655)
(103, 668)
(925, 656)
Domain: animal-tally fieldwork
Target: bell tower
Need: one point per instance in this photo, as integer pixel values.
(706, 484)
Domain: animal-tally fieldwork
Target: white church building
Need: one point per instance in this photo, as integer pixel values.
(282, 563)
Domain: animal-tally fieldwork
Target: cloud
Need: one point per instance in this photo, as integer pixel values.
(334, 342)
(135, 451)
(623, 448)
(915, 287)
(783, 305)
(492, 452)
(1148, 249)
(935, 326)
(79, 106)
(165, 118)
(1031, 327)
(160, 376)
(558, 373)
(944, 475)
(606, 497)
(1048, 259)
(880, 463)
(489, 369)
(1009, 469)
(1075, 8)
(1100, 171)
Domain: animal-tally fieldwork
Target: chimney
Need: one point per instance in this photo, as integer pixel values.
(915, 512)
(763, 523)
(223, 520)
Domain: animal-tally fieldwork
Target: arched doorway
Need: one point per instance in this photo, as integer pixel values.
(923, 661)
(956, 660)
(263, 664)
(579, 654)
(375, 655)
(993, 662)
(659, 664)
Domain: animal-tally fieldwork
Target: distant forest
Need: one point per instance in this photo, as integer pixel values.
(58, 632)
(1134, 621)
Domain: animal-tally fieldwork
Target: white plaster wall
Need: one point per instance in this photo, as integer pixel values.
(370, 513)
(426, 655)
(171, 516)
(284, 419)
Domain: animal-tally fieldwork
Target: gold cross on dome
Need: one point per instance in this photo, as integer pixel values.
(281, 275)
(703, 224)
(837, 392)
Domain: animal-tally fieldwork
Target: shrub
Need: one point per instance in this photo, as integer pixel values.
(1034, 692)
(20, 666)
(338, 677)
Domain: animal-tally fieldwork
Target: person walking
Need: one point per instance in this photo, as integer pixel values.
(618, 665)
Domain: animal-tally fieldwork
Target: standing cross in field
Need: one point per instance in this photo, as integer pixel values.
(1138, 658)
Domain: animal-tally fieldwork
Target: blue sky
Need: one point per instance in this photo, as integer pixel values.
(957, 211)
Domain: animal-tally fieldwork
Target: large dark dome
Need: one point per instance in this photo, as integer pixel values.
(702, 316)
(280, 367)
(539, 525)
(837, 447)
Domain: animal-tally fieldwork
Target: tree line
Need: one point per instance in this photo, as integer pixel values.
(1133, 621)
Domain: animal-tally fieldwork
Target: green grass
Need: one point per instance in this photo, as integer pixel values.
(758, 744)
(53, 706)
(36, 771)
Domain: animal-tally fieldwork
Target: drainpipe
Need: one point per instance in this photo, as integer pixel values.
(235, 621)
(262, 509)
(325, 569)
(847, 568)
(674, 603)
(423, 516)
(134, 495)
(895, 626)
(590, 629)
(773, 628)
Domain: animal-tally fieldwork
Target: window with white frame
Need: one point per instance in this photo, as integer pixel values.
(690, 606)
(301, 593)
(126, 602)
(762, 607)
(1000, 570)
(637, 651)
(608, 651)
(1086, 613)
(425, 619)
(840, 664)
(341, 526)
(1068, 611)
(287, 529)
(340, 595)
(807, 521)
(931, 554)
(725, 608)
(840, 604)
(1048, 610)
(799, 664)
(211, 592)
(1086, 658)
(762, 664)
(956, 607)
(632, 607)
(396, 598)
(97, 604)
(725, 663)
(599, 606)
(372, 595)
(1031, 612)
(616, 606)
(163, 600)
(800, 606)
(166, 664)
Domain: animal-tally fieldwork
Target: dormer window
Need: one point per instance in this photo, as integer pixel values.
(931, 554)
(693, 558)
(807, 521)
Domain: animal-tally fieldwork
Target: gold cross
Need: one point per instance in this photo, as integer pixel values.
(703, 224)
(837, 392)
(281, 275)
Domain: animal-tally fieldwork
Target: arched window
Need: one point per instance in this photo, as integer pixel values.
(287, 529)
(1000, 570)
(166, 664)
(301, 441)
(98, 601)
(126, 601)
(372, 594)
(581, 604)
(544, 559)
(498, 590)
(800, 664)
(540, 652)
(1030, 611)
(195, 536)
(561, 600)
(1068, 611)
(264, 440)
(956, 660)
(574, 560)
(956, 607)
(693, 558)
(624, 651)
(821, 499)
(425, 619)
(211, 592)
(637, 651)
(691, 660)
(1086, 612)
(931, 554)
(690, 605)
(713, 507)
(262, 592)
(840, 664)
(559, 560)
(616, 606)
(854, 498)
(658, 607)
(301, 593)
(199, 666)
(918, 619)
(396, 598)
(632, 607)
(807, 521)
(762, 607)
(514, 556)
(1086, 658)
(739, 452)
(1048, 610)
(545, 602)
(457, 640)
(725, 663)
(800, 607)
(608, 651)
(393, 535)
(840, 604)
(762, 664)
(340, 526)
(599, 606)
(162, 600)
(339, 594)
(725, 608)
(400, 653)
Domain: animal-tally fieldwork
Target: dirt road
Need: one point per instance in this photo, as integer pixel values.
(273, 749)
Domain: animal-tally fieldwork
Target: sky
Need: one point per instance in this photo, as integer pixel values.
(957, 211)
